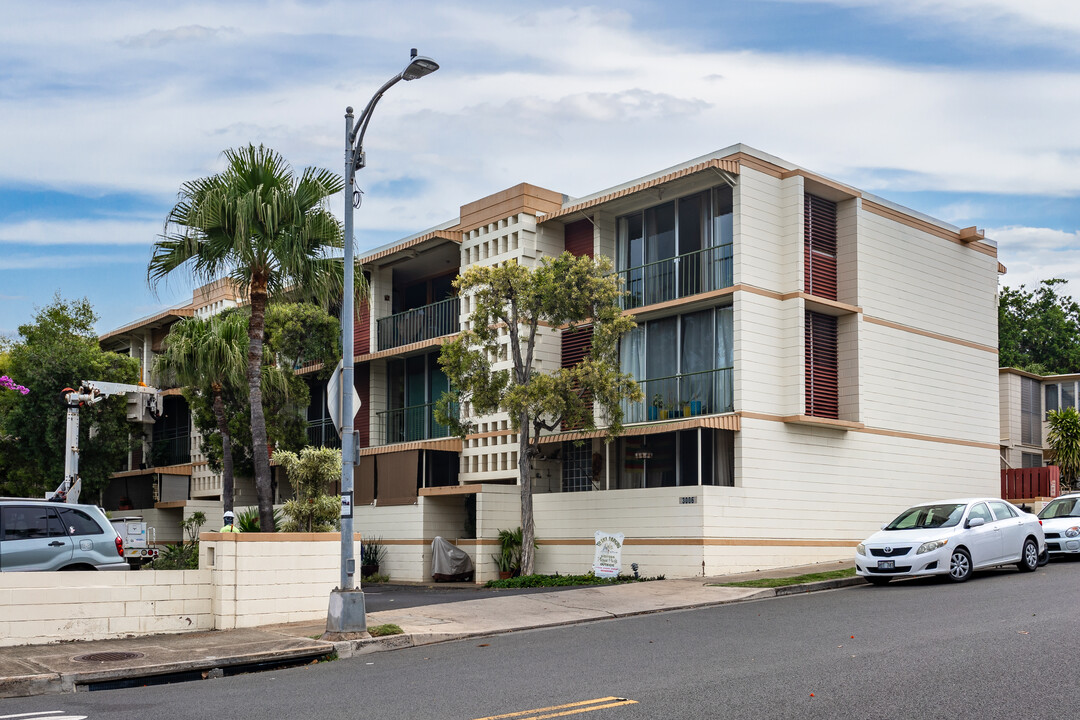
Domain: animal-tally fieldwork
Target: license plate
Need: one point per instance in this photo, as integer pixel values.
(886, 564)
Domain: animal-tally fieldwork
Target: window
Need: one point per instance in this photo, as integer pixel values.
(819, 247)
(980, 511)
(414, 385)
(1030, 460)
(1068, 395)
(577, 475)
(22, 522)
(79, 523)
(683, 363)
(1030, 412)
(1051, 398)
(822, 368)
(1001, 510)
(698, 456)
(676, 249)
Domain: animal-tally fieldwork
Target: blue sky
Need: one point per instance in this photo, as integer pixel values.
(965, 110)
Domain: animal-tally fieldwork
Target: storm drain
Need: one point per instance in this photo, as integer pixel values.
(101, 657)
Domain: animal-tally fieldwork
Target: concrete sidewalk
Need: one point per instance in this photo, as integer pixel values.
(42, 669)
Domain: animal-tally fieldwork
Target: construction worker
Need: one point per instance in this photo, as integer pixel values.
(230, 523)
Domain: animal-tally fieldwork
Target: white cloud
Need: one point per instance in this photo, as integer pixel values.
(185, 34)
(72, 262)
(80, 232)
(1034, 254)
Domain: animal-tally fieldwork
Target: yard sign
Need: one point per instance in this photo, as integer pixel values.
(607, 562)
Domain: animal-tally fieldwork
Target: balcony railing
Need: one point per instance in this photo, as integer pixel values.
(322, 433)
(416, 422)
(422, 323)
(685, 395)
(677, 277)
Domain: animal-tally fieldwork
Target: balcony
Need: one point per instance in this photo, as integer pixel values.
(677, 277)
(322, 433)
(407, 424)
(685, 395)
(422, 323)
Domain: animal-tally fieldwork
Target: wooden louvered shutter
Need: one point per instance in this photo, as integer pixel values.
(579, 238)
(822, 381)
(819, 247)
(575, 348)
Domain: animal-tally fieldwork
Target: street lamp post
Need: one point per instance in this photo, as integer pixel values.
(346, 613)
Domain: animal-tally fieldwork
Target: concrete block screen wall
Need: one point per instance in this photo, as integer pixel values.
(243, 580)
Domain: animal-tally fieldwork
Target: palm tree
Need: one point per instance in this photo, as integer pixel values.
(273, 234)
(210, 353)
(1064, 440)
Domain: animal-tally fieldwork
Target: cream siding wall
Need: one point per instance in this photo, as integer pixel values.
(918, 384)
(768, 354)
(910, 277)
(768, 231)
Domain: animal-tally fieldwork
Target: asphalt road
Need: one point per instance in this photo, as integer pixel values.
(998, 646)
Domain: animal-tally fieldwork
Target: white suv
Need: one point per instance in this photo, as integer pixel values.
(42, 535)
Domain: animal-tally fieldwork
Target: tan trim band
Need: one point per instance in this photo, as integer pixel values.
(927, 333)
(710, 542)
(449, 235)
(728, 421)
(451, 444)
(881, 431)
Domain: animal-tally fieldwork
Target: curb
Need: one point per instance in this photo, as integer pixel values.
(819, 585)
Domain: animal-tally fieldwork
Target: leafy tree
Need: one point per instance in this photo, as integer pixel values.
(272, 233)
(209, 355)
(312, 510)
(1064, 439)
(284, 394)
(1039, 331)
(57, 350)
(565, 292)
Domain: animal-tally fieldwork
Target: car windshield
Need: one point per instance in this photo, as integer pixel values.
(1062, 507)
(928, 516)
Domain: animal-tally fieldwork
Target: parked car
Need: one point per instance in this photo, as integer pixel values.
(1061, 523)
(952, 538)
(42, 535)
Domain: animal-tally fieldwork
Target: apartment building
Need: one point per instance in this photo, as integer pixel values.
(1026, 400)
(813, 358)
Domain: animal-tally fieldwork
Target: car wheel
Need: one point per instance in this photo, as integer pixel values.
(960, 565)
(1029, 558)
(1044, 558)
(877, 580)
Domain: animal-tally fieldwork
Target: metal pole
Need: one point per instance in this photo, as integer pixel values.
(348, 562)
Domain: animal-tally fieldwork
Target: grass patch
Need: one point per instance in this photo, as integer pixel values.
(796, 580)
(530, 581)
(376, 578)
(387, 629)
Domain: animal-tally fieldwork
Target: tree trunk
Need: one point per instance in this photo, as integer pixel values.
(226, 451)
(528, 532)
(259, 446)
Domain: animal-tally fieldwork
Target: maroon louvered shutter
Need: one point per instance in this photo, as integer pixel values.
(822, 383)
(575, 348)
(819, 247)
(362, 420)
(579, 238)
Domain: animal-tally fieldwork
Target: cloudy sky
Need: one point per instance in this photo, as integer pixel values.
(963, 109)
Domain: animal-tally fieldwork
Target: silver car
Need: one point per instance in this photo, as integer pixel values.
(41, 535)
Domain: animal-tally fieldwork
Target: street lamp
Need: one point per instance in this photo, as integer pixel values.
(346, 612)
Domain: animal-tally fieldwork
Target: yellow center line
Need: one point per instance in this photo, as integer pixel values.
(578, 708)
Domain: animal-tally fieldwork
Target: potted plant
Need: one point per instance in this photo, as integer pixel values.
(686, 408)
(504, 563)
(372, 553)
(695, 404)
(654, 409)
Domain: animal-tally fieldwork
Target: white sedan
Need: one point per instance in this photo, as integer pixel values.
(952, 537)
(1061, 521)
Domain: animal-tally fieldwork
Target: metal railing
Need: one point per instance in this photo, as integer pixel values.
(416, 422)
(422, 323)
(685, 395)
(322, 433)
(677, 277)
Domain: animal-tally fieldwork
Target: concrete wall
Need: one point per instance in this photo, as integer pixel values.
(243, 580)
(47, 607)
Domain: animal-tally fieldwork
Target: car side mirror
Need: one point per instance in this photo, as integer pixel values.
(975, 522)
